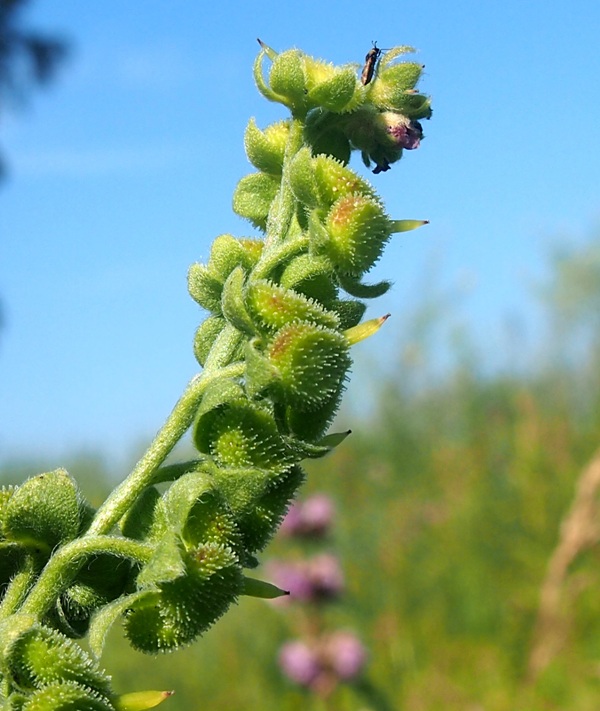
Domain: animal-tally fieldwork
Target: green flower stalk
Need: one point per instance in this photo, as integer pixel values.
(283, 311)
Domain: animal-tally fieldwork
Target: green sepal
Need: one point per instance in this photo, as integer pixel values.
(259, 588)
(166, 564)
(312, 362)
(205, 288)
(183, 608)
(364, 330)
(272, 307)
(67, 696)
(311, 450)
(140, 520)
(312, 276)
(140, 700)
(104, 619)
(287, 79)
(312, 428)
(269, 51)
(260, 372)
(394, 85)
(196, 508)
(253, 196)
(397, 51)
(307, 450)
(257, 70)
(233, 302)
(61, 618)
(358, 230)
(205, 336)
(407, 225)
(217, 395)
(333, 440)
(43, 512)
(355, 287)
(336, 93)
(41, 656)
(415, 106)
(260, 522)
(318, 236)
(265, 149)
(349, 311)
(334, 180)
(182, 497)
(241, 487)
(102, 579)
(227, 253)
(325, 134)
(302, 178)
(172, 472)
(242, 434)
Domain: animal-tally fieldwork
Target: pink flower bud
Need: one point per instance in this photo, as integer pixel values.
(310, 518)
(405, 134)
(299, 663)
(326, 577)
(345, 655)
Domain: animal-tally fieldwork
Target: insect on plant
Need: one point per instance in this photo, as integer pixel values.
(370, 63)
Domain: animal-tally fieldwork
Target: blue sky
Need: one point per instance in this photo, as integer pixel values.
(122, 174)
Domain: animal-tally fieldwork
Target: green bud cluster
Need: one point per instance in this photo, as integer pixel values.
(167, 552)
(380, 117)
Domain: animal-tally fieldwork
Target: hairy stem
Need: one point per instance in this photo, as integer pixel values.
(66, 562)
(284, 206)
(18, 587)
(180, 419)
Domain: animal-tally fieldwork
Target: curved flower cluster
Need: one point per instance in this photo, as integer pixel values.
(167, 552)
(379, 117)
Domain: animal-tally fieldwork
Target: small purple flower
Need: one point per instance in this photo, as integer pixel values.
(406, 134)
(326, 576)
(310, 518)
(345, 655)
(317, 515)
(324, 662)
(314, 580)
(299, 663)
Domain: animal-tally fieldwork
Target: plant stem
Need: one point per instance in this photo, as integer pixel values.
(18, 587)
(180, 419)
(65, 564)
(284, 205)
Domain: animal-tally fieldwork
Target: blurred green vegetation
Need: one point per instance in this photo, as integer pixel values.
(450, 496)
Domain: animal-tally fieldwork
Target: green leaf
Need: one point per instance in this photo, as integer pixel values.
(253, 197)
(233, 302)
(104, 619)
(259, 588)
(335, 93)
(355, 287)
(166, 564)
(287, 78)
